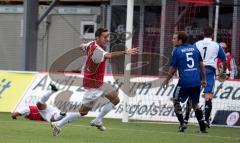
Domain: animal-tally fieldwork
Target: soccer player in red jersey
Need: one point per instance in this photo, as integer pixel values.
(41, 111)
(93, 81)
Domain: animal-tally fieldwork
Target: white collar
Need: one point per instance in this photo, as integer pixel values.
(207, 38)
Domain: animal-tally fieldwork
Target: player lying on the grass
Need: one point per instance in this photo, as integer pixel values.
(188, 61)
(41, 111)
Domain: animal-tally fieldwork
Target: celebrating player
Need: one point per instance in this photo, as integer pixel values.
(93, 81)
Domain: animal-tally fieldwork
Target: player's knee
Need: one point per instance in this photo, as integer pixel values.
(83, 113)
(208, 99)
(84, 110)
(38, 104)
(208, 96)
(113, 97)
(195, 106)
(41, 106)
(116, 100)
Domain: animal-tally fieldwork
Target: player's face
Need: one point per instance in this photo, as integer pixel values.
(175, 40)
(103, 39)
(225, 49)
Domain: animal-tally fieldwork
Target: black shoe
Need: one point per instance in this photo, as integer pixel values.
(203, 131)
(63, 113)
(207, 124)
(202, 126)
(53, 87)
(186, 122)
(182, 127)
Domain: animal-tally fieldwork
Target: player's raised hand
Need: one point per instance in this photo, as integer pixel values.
(132, 51)
(223, 76)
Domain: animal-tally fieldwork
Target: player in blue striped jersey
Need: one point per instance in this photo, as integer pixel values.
(187, 60)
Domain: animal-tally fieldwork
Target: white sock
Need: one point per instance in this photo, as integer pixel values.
(70, 116)
(46, 96)
(107, 108)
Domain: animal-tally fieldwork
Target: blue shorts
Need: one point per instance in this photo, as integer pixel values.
(210, 78)
(183, 93)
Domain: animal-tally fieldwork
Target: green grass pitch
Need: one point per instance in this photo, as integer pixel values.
(25, 131)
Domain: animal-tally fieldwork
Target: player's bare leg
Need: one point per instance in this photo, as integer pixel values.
(69, 117)
(114, 100)
(41, 104)
(84, 110)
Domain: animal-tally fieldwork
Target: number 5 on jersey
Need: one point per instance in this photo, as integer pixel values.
(189, 58)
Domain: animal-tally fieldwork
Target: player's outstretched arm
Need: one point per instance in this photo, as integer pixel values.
(130, 51)
(14, 115)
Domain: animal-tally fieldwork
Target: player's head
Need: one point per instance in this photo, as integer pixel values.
(224, 46)
(179, 38)
(208, 32)
(102, 36)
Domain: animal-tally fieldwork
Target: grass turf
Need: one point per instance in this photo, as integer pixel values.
(25, 131)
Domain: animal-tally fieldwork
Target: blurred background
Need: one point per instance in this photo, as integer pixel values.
(33, 40)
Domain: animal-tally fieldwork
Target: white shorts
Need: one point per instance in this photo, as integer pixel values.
(49, 112)
(24, 111)
(95, 97)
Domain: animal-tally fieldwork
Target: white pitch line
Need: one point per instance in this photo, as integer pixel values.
(145, 131)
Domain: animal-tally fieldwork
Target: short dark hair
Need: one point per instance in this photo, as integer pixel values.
(208, 32)
(99, 31)
(182, 36)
